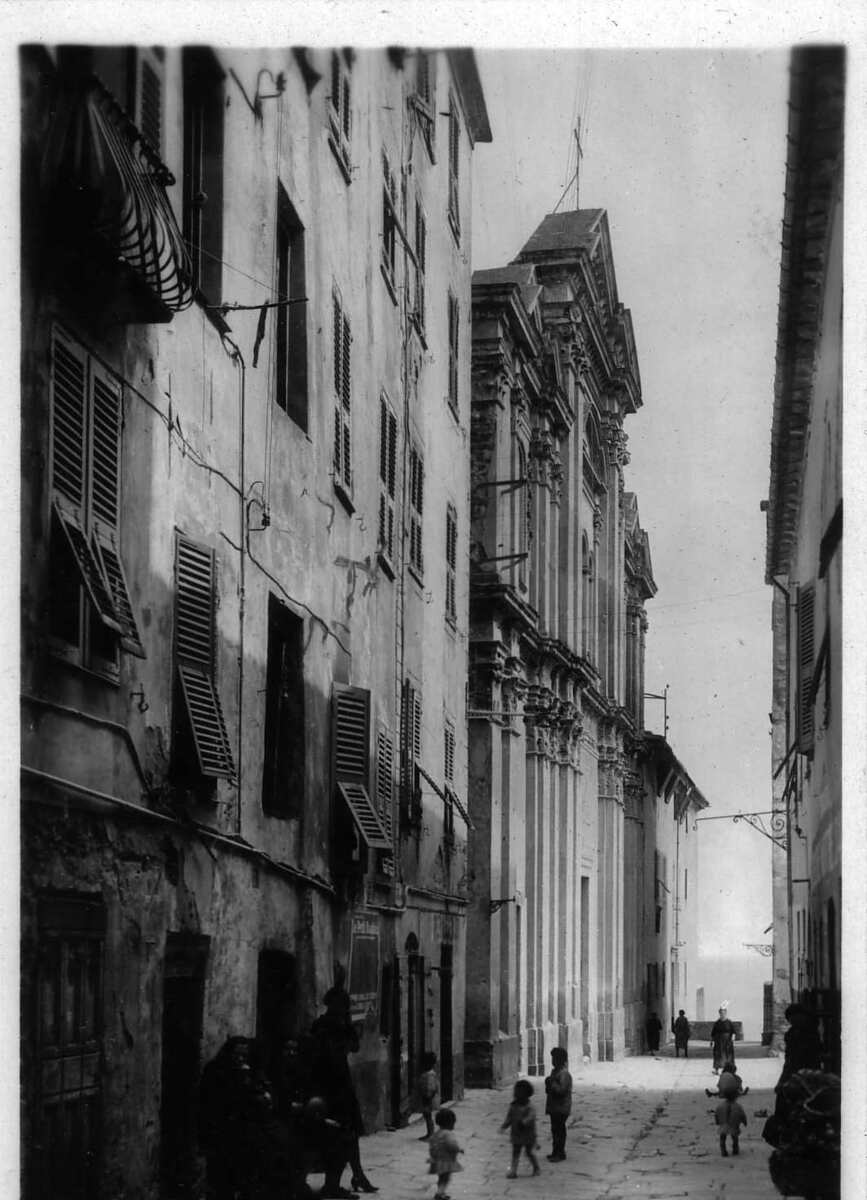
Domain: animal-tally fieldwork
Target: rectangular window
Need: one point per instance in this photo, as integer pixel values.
(806, 662)
(342, 343)
(425, 98)
(454, 334)
(200, 744)
(389, 224)
(90, 611)
(69, 1038)
(340, 114)
(284, 758)
(410, 753)
(416, 502)
(203, 107)
(451, 564)
(454, 212)
(291, 391)
(421, 263)
(350, 746)
(387, 481)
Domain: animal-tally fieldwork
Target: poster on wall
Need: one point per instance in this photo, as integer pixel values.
(364, 966)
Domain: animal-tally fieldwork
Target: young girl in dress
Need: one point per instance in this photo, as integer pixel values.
(444, 1150)
(521, 1123)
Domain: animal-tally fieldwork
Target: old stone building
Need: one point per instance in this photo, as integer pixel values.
(561, 777)
(804, 552)
(244, 528)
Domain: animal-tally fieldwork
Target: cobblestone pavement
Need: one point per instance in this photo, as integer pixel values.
(642, 1127)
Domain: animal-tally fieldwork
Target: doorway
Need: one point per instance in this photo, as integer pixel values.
(183, 1003)
(276, 1006)
(446, 1055)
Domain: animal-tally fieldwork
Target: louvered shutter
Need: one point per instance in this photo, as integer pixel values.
(454, 330)
(454, 165)
(105, 500)
(806, 663)
(420, 252)
(387, 467)
(69, 424)
(449, 753)
(70, 439)
(385, 793)
(351, 750)
(149, 94)
(346, 398)
(194, 651)
(451, 562)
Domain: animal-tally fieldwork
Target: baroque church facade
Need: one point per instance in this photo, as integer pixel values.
(562, 777)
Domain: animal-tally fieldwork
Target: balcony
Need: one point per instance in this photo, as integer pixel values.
(111, 228)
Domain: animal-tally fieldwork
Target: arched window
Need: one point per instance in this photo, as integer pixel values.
(593, 438)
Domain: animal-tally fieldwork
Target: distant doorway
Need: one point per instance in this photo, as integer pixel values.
(415, 1011)
(183, 1004)
(276, 1005)
(446, 1055)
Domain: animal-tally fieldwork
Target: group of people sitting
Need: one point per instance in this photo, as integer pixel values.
(265, 1125)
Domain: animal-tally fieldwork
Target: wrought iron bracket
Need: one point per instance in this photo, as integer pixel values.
(774, 830)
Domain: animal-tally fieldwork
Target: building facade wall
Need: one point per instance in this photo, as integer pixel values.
(203, 913)
(805, 522)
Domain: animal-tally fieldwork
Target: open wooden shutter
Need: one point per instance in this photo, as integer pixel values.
(351, 757)
(387, 477)
(149, 94)
(806, 664)
(106, 424)
(385, 779)
(68, 423)
(194, 651)
(89, 567)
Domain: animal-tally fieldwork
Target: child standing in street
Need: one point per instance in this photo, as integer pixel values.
(558, 1102)
(521, 1123)
(729, 1118)
(428, 1089)
(444, 1151)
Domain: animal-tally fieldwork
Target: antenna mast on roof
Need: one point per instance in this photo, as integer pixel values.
(579, 154)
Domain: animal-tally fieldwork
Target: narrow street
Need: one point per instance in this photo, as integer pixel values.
(640, 1127)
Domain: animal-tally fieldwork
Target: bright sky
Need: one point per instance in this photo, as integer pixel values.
(685, 149)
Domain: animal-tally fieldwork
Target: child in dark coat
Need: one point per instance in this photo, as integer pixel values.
(558, 1102)
(729, 1118)
(521, 1123)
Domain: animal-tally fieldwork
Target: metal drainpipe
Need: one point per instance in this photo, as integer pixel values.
(789, 891)
(238, 360)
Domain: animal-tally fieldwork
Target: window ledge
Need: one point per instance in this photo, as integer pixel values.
(389, 282)
(341, 157)
(344, 496)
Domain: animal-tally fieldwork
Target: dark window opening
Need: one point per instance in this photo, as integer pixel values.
(203, 99)
(291, 317)
(284, 759)
(277, 1015)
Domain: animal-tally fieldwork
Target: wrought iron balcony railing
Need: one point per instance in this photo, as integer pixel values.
(104, 181)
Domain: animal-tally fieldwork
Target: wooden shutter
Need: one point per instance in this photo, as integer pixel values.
(149, 94)
(351, 753)
(387, 477)
(342, 340)
(68, 423)
(451, 562)
(351, 732)
(194, 602)
(105, 500)
(416, 501)
(806, 664)
(454, 166)
(449, 752)
(385, 778)
(454, 331)
(194, 651)
(420, 256)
